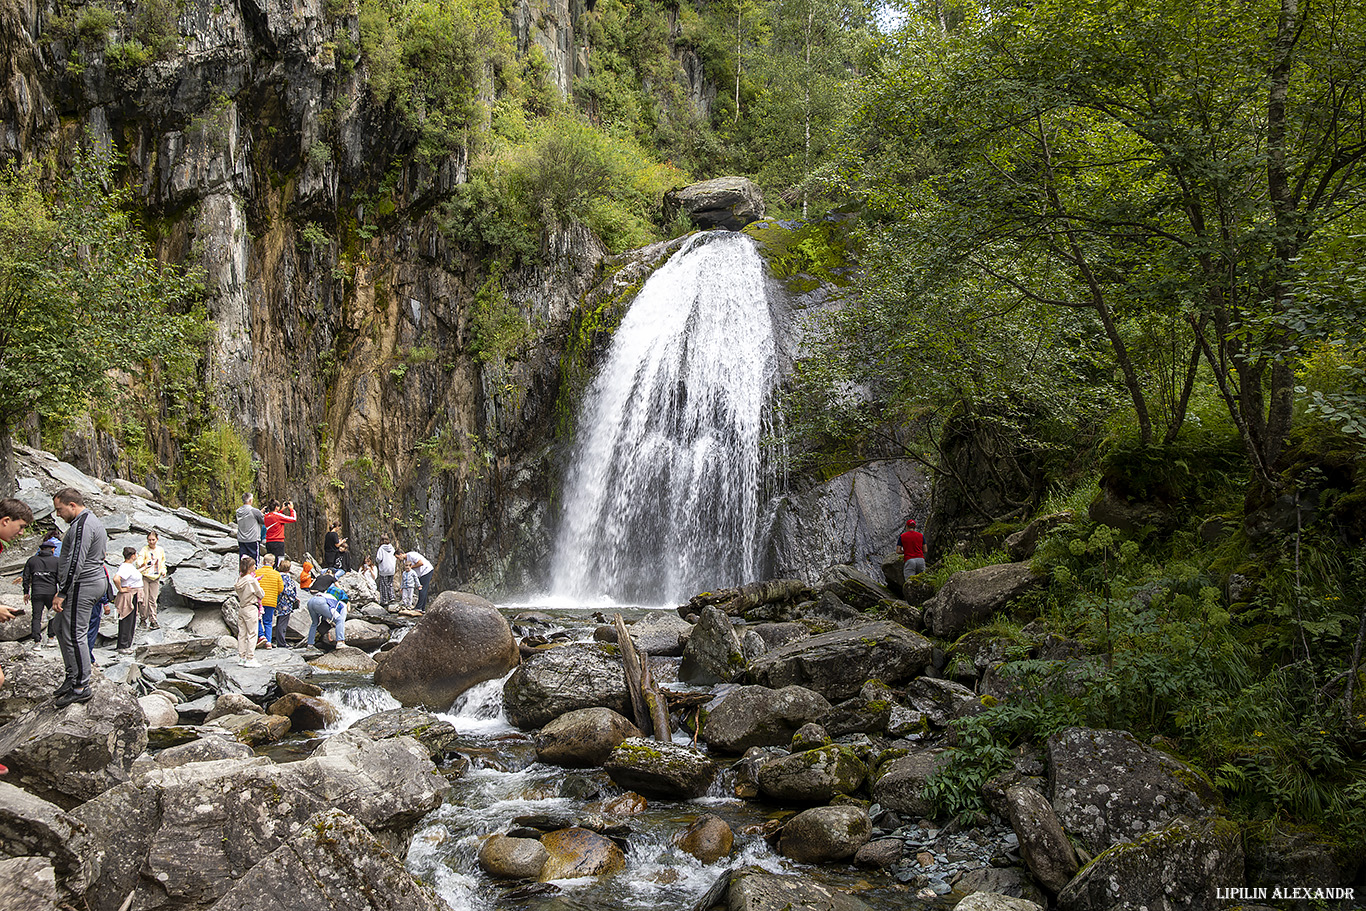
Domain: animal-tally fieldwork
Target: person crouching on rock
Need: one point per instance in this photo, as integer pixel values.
(325, 606)
(249, 595)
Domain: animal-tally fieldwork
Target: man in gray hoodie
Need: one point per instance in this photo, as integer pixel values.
(81, 583)
(249, 523)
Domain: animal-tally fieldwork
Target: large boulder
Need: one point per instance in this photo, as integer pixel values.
(30, 825)
(28, 884)
(504, 857)
(900, 785)
(1181, 867)
(713, 653)
(584, 737)
(461, 640)
(72, 754)
(1108, 788)
(576, 852)
(305, 713)
(855, 588)
(975, 595)
(824, 835)
(722, 202)
(756, 716)
(1043, 844)
(812, 776)
(564, 678)
(836, 664)
(345, 659)
(660, 769)
(190, 832)
(995, 901)
(942, 701)
(661, 633)
(754, 890)
(31, 677)
(708, 838)
(332, 861)
(440, 738)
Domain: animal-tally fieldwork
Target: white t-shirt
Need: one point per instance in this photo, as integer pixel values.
(129, 575)
(423, 565)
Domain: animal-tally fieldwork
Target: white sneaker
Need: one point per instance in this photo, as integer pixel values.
(251, 662)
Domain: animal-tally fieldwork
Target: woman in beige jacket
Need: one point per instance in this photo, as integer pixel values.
(249, 595)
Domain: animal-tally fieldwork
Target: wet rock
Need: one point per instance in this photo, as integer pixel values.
(231, 704)
(760, 891)
(366, 636)
(72, 754)
(713, 653)
(288, 683)
(879, 854)
(661, 633)
(440, 738)
(461, 640)
(901, 783)
(332, 861)
(30, 825)
(562, 679)
(512, 858)
(660, 769)
(205, 749)
(810, 737)
(836, 664)
(628, 804)
(255, 728)
(942, 701)
(825, 834)
(972, 596)
(1043, 844)
(1108, 788)
(722, 202)
(577, 852)
(708, 838)
(584, 737)
(855, 588)
(159, 710)
(305, 713)
(28, 884)
(992, 901)
(813, 776)
(347, 660)
(1177, 868)
(759, 716)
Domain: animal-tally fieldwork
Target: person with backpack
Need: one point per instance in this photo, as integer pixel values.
(40, 587)
(328, 604)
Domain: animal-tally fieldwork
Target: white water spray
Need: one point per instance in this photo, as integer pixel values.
(663, 496)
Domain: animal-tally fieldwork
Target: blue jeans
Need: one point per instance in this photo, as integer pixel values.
(267, 624)
(320, 612)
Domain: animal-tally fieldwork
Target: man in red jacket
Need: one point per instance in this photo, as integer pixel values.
(912, 549)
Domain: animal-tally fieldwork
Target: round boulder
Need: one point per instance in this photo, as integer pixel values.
(825, 834)
(584, 737)
(345, 659)
(660, 769)
(708, 839)
(461, 640)
(159, 709)
(305, 713)
(756, 716)
(901, 785)
(513, 858)
(579, 852)
(722, 202)
(813, 776)
(561, 679)
(231, 704)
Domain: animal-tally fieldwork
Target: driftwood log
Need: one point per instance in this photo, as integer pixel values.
(735, 601)
(648, 704)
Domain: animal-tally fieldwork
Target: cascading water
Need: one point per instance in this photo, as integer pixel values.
(662, 500)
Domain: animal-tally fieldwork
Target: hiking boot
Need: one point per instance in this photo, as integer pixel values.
(68, 698)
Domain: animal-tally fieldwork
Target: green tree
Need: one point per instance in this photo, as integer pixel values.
(80, 295)
(1166, 169)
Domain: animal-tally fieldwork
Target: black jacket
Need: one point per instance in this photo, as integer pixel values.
(40, 575)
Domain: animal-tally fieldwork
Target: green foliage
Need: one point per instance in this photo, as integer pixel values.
(216, 470)
(156, 25)
(127, 55)
(500, 328)
(806, 255)
(94, 22)
(80, 295)
(319, 155)
(451, 451)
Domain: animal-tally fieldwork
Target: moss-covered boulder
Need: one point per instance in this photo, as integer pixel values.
(1108, 788)
(713, 653)
(838, 663)
(825, 835)
(812, 776)
(900, 785)
(1178, 868)
(562, 679)
(583, 738)
(756, 716)
(975, 595)
(660, 769)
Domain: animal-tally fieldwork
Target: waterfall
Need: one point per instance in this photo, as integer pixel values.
(662, 499)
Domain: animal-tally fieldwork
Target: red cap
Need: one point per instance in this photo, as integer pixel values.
(910, 523)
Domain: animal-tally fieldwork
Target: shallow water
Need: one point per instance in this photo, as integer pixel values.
(505, 782)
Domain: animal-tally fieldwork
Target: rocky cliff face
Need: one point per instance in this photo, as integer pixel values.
(342, 345)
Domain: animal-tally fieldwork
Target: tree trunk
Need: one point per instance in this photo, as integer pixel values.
(7, 481)
(630, 665)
